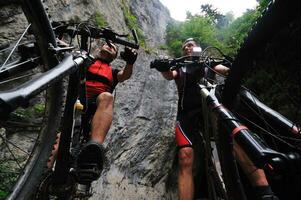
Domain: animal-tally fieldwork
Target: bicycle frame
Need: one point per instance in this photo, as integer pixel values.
(10, 100)
(258, 152)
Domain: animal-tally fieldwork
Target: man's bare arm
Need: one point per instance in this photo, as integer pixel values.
(125, 74)
(170, 75)
(222, 69)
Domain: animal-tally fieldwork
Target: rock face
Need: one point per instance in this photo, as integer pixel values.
(141, 142)
(140, 145)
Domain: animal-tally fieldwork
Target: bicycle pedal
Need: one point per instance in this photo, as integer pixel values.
(87, 173)
(82, 191)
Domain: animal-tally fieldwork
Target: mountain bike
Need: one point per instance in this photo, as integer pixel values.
(232, 112)
(40, 81)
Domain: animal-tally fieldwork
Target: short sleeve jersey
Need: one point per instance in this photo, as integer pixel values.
(101, 77)
(188, 90)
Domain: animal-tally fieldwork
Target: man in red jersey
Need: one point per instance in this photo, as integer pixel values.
(101, 79)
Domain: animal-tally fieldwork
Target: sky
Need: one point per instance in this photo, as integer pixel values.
(178, 8)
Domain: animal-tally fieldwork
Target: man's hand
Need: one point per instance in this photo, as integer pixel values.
(222, 69)
(162, 65)
(129, 55)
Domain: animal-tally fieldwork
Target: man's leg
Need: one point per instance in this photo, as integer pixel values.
(255, 175)
(103, 117)
(185, 177)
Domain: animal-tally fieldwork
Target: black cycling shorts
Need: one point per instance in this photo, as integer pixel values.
(187, 128)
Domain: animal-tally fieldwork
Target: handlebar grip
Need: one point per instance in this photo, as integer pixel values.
(152, 64)
(161, 65)
(126, 43)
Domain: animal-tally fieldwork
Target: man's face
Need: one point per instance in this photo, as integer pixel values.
(187, 49)
(108, 53)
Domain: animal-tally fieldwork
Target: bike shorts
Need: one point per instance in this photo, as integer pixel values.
(91, 103)
(187, 128)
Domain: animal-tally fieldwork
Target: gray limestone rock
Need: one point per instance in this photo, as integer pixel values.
(140, 144)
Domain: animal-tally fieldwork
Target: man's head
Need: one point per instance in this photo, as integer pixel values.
(108, 52)
(188, 45)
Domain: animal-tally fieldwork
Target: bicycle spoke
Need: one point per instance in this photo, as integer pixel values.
(8, 48)
(12, 51)
(268, 132)
(14, 145)
(17, 78)
(19, 64)
(13, 155)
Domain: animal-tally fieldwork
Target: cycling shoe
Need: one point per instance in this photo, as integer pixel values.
(90, 162)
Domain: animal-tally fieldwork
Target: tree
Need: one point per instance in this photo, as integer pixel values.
(198, 27)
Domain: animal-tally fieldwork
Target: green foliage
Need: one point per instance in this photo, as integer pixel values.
(212, 13)
(163, 47)
(198, 27)
(148, 50)
(100, 20)
(131, 22)
(262, 5)
(214, 29)
(29, 113)
(7, 179)
(234, 35)
(3, 194)
(236, 32)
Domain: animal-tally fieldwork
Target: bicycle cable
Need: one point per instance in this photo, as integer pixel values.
(266, 131)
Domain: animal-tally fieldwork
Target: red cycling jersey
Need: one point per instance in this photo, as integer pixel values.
(100, 78)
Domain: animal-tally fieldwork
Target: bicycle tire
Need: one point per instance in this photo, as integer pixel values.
(228, 171)
(34, 167)
(278, 15)
(215, 185)
(227, 179)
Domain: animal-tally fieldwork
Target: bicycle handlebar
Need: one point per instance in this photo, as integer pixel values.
(183, 61)
(73, 29)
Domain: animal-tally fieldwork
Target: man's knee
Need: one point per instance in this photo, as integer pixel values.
(105, 97)
(186, 157)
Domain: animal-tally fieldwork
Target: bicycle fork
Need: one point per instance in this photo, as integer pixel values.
(258, 152)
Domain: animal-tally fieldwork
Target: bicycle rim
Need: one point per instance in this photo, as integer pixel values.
(25, 149)
(228, 174)
(276, 16)
(216, 187)
(266, 63)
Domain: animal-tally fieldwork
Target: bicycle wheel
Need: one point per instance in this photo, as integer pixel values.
(224, 171)
(278, 16)
(27, 135)
(216, 187)
(267, 63)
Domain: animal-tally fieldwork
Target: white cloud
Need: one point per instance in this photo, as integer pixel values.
(178, 8)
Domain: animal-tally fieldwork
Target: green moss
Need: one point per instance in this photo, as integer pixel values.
(39, 108)
(148, 51)
(29, 113)
(7, 181)
(3, 194)
(100, 20)
(163, 47)
(131, 22)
